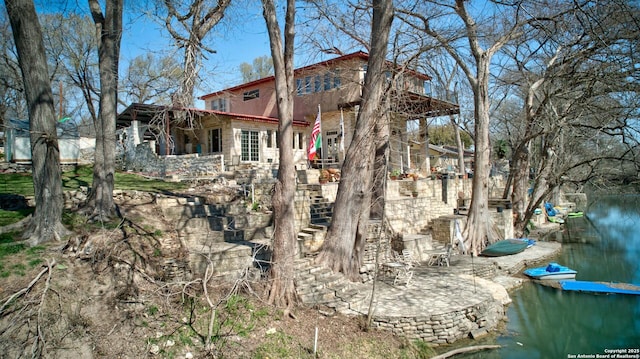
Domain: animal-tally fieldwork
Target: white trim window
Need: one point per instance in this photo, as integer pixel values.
(249, 146)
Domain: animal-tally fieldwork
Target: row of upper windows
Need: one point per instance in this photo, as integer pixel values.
(305, 85)
(326, 82)
(318, 83)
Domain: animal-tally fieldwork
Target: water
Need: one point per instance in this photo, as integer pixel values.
(549, 323)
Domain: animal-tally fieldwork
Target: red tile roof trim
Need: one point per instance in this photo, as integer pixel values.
(142, 108)
(360, 54)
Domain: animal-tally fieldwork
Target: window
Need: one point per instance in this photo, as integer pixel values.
(250, 95)
(307, 84)
(336, 79)
(300, 140)
(269, 139)
(327, 81)
(427, 88)
(317, 84)
(219, 104)
(299, 87)
(363, 73)
(249, 146)
(214, 140)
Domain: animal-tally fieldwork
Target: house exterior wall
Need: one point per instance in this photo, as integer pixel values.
(231, 135)
(332, 85)
(350, 76)
(21, 149)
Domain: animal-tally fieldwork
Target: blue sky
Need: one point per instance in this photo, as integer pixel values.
(234, 45)
(240, 37)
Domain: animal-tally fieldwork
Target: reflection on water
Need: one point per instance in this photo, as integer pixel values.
(549, 323)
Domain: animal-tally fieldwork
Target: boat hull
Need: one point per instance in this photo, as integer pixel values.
(555, 276)
(505, 247)
(553, 271)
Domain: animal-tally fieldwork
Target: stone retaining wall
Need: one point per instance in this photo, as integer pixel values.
(445, 328)
(147, 162)
(409, 214)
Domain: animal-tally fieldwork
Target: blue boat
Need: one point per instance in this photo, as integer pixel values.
(552, 271)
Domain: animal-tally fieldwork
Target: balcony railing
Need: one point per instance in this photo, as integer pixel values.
(440, 93)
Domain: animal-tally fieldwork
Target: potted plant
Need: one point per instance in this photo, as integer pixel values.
(395, 174)
(324, 176)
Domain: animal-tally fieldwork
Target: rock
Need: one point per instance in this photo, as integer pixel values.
(155, 349)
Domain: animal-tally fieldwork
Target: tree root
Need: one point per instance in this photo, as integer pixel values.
(18, 226)
(28, 287)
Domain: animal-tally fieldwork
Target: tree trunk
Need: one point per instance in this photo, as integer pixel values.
(461, 165)
(424, 136)
(519, 196)
(380, 169)
(479, 229)
(109, 29)
(45, 154)
(285, 250)
(343, 247)
(199, 18)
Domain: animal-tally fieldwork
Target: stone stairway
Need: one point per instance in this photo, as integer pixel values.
(435, 244)
(319, 286)
(225, 235)
(311, 238)
(321, 209)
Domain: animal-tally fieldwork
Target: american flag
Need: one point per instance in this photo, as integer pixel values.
(315, 143)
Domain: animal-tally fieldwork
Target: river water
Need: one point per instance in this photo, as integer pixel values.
(548, 323)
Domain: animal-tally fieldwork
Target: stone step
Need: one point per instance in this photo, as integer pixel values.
(302, 264)
(320, 297)
(319, 272)
(305, 281)
(322, 221)
(204, 237)
(316, 232)
(310, 287)
(339, 306)
(231, 259)
(320, 209)
(319, 200)
(198, 225)
(339, 286)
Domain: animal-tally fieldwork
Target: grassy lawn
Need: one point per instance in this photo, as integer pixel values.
(22, 183)
(82, 176)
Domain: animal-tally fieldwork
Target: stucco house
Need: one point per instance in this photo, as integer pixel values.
(17, 142)
(240, 123)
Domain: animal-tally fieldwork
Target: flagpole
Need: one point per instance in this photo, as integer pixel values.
(341, 132)
(321, 139)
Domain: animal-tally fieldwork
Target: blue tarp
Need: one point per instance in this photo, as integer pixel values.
(550, 210)
(597, 287)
